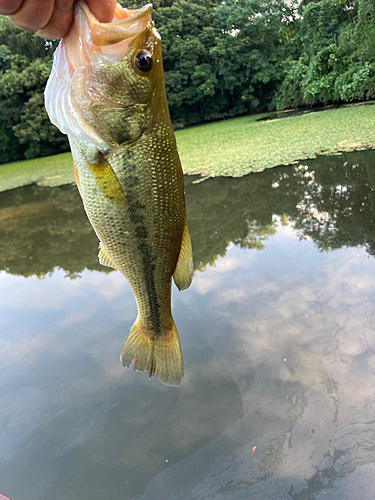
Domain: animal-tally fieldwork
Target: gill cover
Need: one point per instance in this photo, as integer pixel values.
(93, 93)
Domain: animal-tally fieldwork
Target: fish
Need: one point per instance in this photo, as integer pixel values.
(106, 91)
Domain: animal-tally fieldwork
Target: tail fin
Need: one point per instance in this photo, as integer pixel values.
(159, 356)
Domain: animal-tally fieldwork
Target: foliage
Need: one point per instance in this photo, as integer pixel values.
(336, 55)
(25, 64)
(364, 29)
(250, 45)
(221, 59)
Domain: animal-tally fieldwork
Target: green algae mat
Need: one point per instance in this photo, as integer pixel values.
(55, 170)
(243, 145)
(234, 147)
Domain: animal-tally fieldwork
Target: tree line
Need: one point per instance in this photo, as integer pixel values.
(221, 59)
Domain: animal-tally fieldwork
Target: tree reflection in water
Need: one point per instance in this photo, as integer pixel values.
(330, 199)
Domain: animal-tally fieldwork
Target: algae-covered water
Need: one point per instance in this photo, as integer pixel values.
(235, 147)
(277, 332)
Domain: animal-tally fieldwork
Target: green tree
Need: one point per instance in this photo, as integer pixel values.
(364, 29)
(336, 55)
(187, 36)
(251, 43)
(221, 59)
(189, 77)
(25, 64)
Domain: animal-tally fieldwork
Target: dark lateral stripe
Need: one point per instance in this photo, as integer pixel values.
(135, 209)
(148, 268)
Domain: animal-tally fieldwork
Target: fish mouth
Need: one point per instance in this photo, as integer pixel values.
(104, 38)
(126, 24)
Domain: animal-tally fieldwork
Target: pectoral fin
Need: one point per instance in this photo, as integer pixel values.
(104, 258)
(183, 274)
(107, 181)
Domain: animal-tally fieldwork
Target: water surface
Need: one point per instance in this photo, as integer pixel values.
(277, 333)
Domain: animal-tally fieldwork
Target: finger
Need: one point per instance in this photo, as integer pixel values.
(58, 26)
(60, 21)
(33, 15)
(103, 10)
(64, 4)
(9, 6)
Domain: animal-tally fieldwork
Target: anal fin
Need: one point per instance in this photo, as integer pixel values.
(104, 258)
(183, 274)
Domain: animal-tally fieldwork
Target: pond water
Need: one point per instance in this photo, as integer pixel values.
(277, 332)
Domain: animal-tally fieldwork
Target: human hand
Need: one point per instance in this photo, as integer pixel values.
(52, 18)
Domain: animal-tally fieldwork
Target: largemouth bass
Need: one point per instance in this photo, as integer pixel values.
(106, 91)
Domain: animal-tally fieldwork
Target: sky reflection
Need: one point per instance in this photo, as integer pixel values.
(278, 398)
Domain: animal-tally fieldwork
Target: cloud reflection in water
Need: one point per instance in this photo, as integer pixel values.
(279, 349)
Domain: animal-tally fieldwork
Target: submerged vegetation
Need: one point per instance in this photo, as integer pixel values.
(221, 59)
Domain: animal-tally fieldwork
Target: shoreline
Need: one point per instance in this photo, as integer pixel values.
(234, 147)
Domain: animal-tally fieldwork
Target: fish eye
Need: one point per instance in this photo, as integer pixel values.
(143, 61)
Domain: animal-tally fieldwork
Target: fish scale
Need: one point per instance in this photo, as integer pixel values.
(129, 175)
